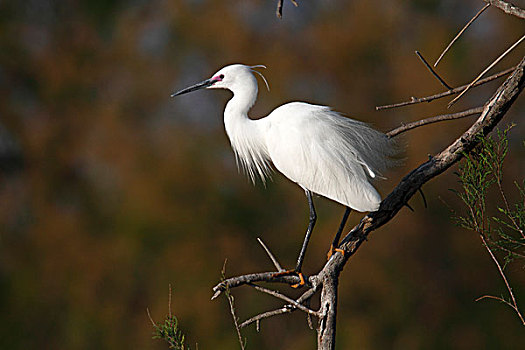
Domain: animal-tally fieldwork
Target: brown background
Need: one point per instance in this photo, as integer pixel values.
(124, 191)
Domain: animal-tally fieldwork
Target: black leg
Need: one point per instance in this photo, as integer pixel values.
(311, 224)
(335, 242)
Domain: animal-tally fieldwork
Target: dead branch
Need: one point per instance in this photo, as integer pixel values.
(435, 119)
(429, 67)
(430, 98)
(461, 32)
(285, 309)
(514, 304)
(235, 318)
(279, 11)
(507, 8)
(285, 298)
(255, 277)
(272, 257)
(257, 318)
(327, 279)
(486, 70)
(493, 111)
(231, 302)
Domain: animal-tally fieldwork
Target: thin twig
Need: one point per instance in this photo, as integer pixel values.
(283, 310)
(415, 100)
(169, 308)
(272, 257)
(432, 70)
(285, 298)
(509, 288)
(461, 32)
(435, 119)
(257, 318)
(230, 298)
(508, 8)
(486, 70)
(231, 301)
(423, 196)
(169, 300)
(498, 299)
(507, 207)
(279, 11)
(150, 318)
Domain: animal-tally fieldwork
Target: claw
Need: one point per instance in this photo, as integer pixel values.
(301, 283)
(334, 250)
(330, 252)
(340, 251)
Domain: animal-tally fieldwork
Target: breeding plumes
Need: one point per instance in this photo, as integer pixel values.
(315, 147)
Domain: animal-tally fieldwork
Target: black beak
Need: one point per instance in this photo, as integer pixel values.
(201, 85)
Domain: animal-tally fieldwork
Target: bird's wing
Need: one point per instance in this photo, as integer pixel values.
(326, 153)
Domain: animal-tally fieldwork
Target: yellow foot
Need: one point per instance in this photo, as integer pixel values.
(330, 252)
(334, 250)
(340, 251)
(301, 283)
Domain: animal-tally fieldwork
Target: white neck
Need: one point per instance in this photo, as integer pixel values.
(245, 137)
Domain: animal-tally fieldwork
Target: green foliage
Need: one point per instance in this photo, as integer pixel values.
(170, 332)
(481, 171)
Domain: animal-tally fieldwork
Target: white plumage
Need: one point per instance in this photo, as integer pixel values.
(317, 148)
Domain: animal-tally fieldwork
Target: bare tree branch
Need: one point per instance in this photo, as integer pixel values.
(231, 302)
(461, 32)
(280, 4)
(326, 280)
(272, 258)
(438, 118)
(493, 111)
(285, 298)
(230, 298)
(514, 304)
(507, 8)
(255, 277)
(486, 70)
(430, 98)
(285, 309)
(429, 67)
(257, 318)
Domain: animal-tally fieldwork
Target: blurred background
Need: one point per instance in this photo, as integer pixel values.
(110, 190)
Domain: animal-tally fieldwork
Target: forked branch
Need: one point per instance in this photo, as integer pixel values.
(457, 90)
(326, 279)
(486, 70)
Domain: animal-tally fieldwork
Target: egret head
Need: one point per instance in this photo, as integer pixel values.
(233, 77)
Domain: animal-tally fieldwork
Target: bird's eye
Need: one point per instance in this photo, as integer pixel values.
(221, 76)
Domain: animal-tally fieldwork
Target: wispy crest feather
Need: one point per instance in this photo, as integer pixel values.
(260, 74)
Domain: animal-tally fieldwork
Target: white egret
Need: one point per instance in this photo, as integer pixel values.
(315, 147)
